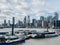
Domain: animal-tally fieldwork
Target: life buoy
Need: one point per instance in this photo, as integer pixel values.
(30, 35)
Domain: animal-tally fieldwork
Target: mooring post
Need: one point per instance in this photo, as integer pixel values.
(13, 21)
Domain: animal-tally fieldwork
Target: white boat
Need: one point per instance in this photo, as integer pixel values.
(10, 40)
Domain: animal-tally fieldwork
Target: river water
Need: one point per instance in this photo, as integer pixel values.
(46, 41)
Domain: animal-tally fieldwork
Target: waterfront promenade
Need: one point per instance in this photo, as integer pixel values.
(16, 29)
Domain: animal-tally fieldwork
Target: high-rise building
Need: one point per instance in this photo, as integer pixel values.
(28, 19)
(56, 15)
(25, 21)
(28, 23)
(5, 24)
(42, 18)
(20, 24)
(34, 22)
(49, 19)
(9, 24)
(57, 24)
(39, 23)
(55, 18)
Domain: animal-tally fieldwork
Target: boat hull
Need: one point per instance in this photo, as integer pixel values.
(51, 36)
(14, 43)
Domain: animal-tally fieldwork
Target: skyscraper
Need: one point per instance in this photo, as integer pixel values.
(42, 18)
(9, 24)
(25, 21)
(5, 24)
(39, 23)
(34, 22)
(20, 23)
(56, 16)
(49, 19)
(55, 19)
(28, 23)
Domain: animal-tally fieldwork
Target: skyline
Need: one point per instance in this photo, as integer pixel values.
(42, 22)
(21, 8)
(28, 19)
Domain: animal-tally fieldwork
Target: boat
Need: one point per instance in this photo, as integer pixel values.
(3, 33)
(27, 32)
(45, 34)
(10, 40)
(33, 32)
(50, 34)
(1, 27)
(22, 33)
(37, 35)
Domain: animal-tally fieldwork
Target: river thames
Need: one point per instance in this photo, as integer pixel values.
(46, 41)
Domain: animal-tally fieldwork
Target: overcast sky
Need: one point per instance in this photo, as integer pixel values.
(21, 8)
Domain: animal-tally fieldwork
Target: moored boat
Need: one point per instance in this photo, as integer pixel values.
(10, 40)
(50, 34)
(44, 35)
